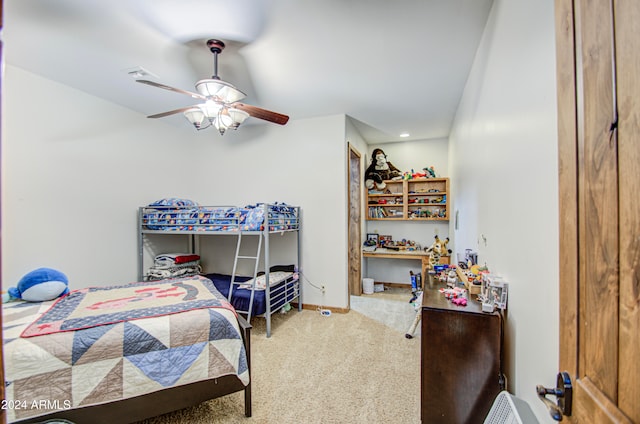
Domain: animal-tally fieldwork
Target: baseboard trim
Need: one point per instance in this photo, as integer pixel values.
(317, 307)
(398, 285)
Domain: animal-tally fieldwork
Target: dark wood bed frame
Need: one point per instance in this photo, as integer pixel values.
(168, 400)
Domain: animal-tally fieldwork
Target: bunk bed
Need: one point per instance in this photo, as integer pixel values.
(110, 354)
(265, 292)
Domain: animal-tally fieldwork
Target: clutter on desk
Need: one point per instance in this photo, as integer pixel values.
(457, 295)
(468, 259)
(472, 277)
(494, 292)
(369, 245)
(387, 242)
(374, 240)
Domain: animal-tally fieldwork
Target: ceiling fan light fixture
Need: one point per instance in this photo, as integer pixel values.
(238, 117)
(210, 109)
(220, 108)
(221, 117)
(195, 116)
(229, 118)
(219, 91)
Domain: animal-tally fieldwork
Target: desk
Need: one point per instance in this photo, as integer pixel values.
(461, 356)
(419, 255)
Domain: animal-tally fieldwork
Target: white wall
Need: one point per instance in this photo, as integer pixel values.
(407, 156)
(74, 169)
(302, 163)
(503, 162)
(75, 174)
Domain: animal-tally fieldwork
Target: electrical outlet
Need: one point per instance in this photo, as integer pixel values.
(322, 288)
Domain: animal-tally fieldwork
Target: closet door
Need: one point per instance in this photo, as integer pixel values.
(354, 189)
(599, 157)
(627, 17)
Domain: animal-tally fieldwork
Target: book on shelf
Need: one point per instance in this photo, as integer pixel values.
(380, 212)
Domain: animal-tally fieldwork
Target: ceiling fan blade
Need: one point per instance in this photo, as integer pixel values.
(264, 114)
(171, 112)
(177, 90)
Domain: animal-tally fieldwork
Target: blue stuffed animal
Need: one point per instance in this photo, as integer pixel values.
(40, 285)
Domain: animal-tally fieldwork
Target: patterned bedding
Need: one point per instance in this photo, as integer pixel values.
(186, 215)
(261, 280)
(109, 362)
(281, 293)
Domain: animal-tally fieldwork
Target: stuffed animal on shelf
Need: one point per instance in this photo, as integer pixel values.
(379, 170)
(40, 285)
(437, 250)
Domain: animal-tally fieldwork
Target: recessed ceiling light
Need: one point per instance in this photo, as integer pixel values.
(405, 135)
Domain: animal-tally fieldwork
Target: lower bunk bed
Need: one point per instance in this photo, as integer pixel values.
(249, 296)
(123, 353)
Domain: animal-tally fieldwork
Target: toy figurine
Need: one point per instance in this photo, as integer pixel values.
(430, 172)
(418, 174)
(460, 301)
(453, 293)
(452, 277)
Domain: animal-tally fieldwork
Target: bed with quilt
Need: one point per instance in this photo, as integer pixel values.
(123, 353)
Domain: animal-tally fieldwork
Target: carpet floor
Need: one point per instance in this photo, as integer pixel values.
(390, 307)
(344, 368)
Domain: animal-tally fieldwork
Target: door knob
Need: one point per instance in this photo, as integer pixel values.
(564, 394)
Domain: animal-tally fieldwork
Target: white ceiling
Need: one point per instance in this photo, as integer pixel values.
(393, 66)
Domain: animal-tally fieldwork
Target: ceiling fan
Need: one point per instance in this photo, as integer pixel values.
(221, 108)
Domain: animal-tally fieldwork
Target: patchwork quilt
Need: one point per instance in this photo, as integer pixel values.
(95, 306)
(114, 359)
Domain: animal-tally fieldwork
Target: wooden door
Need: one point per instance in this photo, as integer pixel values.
(355, 222)
(598, 52)
(3, 416)
(627, 18)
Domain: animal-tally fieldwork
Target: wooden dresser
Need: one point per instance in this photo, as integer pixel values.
(461, 360)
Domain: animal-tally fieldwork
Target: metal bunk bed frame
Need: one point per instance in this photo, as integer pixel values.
(263, 235)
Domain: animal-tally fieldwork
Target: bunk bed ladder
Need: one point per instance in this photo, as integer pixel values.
(255, 258)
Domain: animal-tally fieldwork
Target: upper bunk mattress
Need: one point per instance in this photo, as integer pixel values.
(187, 215)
